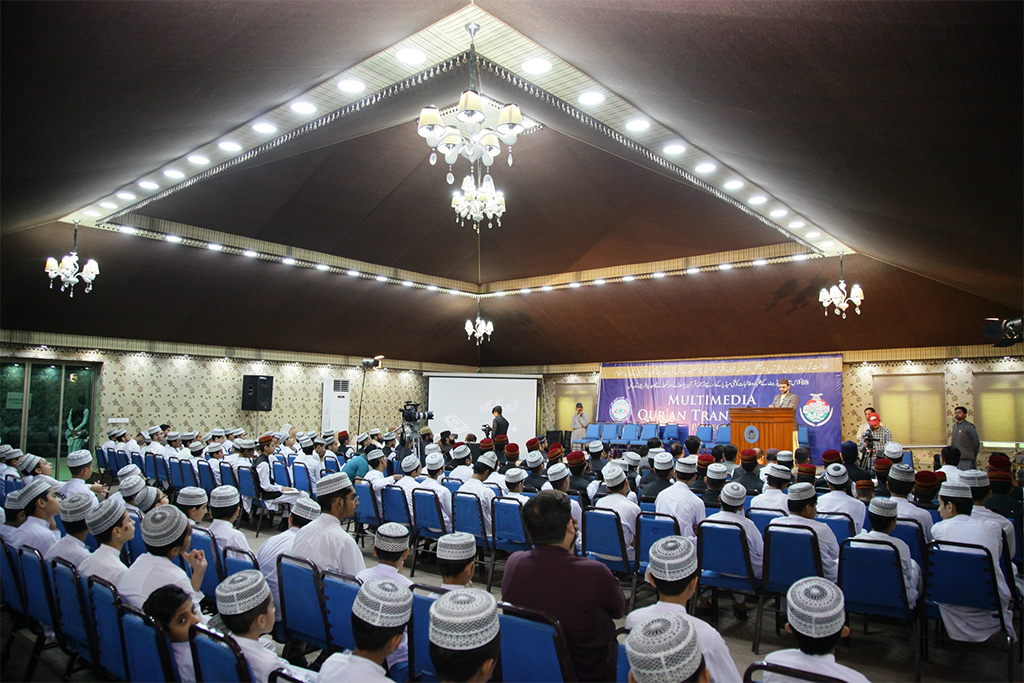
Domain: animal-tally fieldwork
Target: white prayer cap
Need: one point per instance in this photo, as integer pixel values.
(784, 456)
(152, 431)
(801, 491)
(595, 447)
(535, 459)
(241, 592)
(363, 436)
(217, 432)
(376, 454)
(779, 471)
(514, 475)
(329, 440)
(673, 558)
(456, 546)
(5, 448)
(14, 501)
(319, 441)
(489, 459)
(886, 507)
(375, 431)
(461, 452)
(110, 433)
(893, 450)
(733, 493)
(13, 454)
(189, 436)
(974, 478)
(836, 474)
(306, 508)
(391, 436)
(557, 472)
(687, 465)
(79, 458)
(196, 447)
(146, 498)
(130, 486)
(410, 463)
(663, 461)
(128, 471)
(632, 459)
(164, 526)
(224, 496)
(28, 463)
(77, 507)
(464, 620)
(192, 496)
(718, 470)
(240, 444)
(948, 490)
(285, 428)
(305, 442)
(173, 436)
(431, 448)
(332, 483)
(901, 472)
(3, 517)
(120, 431)
(105, 515)
(383, 603)
(391, 537)
(664, 649)
(815, 607)
(207, 436)
(435, 461)
(219, 448)
(613, 475)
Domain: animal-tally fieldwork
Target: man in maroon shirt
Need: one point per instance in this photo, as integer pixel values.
(582, 594)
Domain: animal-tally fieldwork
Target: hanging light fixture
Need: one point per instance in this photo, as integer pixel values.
(480, 328)
(478, 200)
(68, 269)
(836, 297)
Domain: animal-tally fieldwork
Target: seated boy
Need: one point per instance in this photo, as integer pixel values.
(39, 530)
(461, 654)
(112, 527)
(148, 498)
(72, 514)
(838, 499)
(304, 511)
(194, 502)
(733, 496)
(882, 514)
(379, 617)
(175, 611)
(817, 618)
(618, 487)
(225, 506)
(14, 515)
(32, 467)
(802, 502)
(666, 648)
(774, 495)
(456, 554)
(80, 466)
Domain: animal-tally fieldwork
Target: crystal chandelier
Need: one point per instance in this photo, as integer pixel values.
(836, 297)
(68, 269)
(480, 328)
(477, 201)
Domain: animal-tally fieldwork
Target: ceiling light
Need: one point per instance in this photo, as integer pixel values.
(68, 271)
(148, 185)
(574, 285)
(303, 107)
(591, 98)
(674, 149)
(524, 290)
(499, 293)
(90, 212)
(351, 85)
(454, 292)
(760, 262)
(812, 234)
(127, 196)
(547, 288)
(835, 296)
(214, 247)
(725, 266)
(692, 271)
(599, 281)
(352, 273)
(382, 278)
(799, 257)
(407, 283)
(757, 199)
(198, 159)
(537, 65)
(128, 230)
(658, 275)
(638, 125)
(108, 205)
(265, 128)
(172, 173)
(322, 266)
(229, 146)
(410, 55)
(250, 253)
(778, 213)
(828, 244)
(432, 288)
(628, 278)
(288, 261)
(796, 225)
(705, 168)
(733, 185)
(172, 238)
(476, 203)
(480, 328)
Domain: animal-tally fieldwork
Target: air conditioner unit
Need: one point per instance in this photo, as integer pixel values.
(336, 405)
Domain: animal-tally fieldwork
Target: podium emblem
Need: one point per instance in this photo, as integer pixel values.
(751, 434)
(816, 411)
(620, 409)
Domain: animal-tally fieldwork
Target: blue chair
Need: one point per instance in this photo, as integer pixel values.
(340, 592)
(188, 473)
(174, 469)
(331, 464)
(787, 673)
(421, 667)
(621, 660)
(468, 512)
(960, 574)
(649, 431)
(908, 457)
(237, 560)
(791, 553)
(109, 643)
(593, 433)
(72, 612)
(609, 432)
(603, 541)
(227, 474)
(149, 467)
(101, 462)
(910, 532)
(803, 437)
(35, 579)
(529, 631)
(396, 506)
(303, 616)
(761, 517)
(203, 540)
(149, 657)
(120, 458)
(136, 547)
(723, 554)
(163, 473)
(247, 487)
(366, 511)
(706, 435)
(428, 521)
(451, 484)
(647, 506)
(650, 528)
(871, 578)
(508, 533)
(206, 480)
(13, 593)
(671, 434)
(630, 433)
(217, 658)
(303, 482)
(840, 523)
(60, 526)
(723, 437)
(280, 471)
(138, 461)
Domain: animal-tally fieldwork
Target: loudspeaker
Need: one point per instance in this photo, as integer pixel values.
(257, 392)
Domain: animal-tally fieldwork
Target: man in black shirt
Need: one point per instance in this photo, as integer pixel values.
(748, 472)
(499, 426)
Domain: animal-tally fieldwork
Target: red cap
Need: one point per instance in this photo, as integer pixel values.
(998, 462)
(999, 476)
(342, 434)
(576, 458)
(266, 438)
(940, 478)
(874, 420)
(831, 456)
(512, 449)
(555, 451)
(864, 484)
(883, 464)
(486, 444)
(747, 455)
(531, 445)
(806, 468)
(704, 460)
(501, 438)
(459, 443)
(925, 479)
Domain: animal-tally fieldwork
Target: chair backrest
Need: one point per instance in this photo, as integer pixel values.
(188, 473)
(790, 553)
(649, 431)
(426, 512)
(60, 526)
(109, 644)
(101, 461)
(761, 517)
(217, 658)
(282, 675)
(724, 435)
(469, 516)
(35, 579)
(120, 457)
(281, 476)
(395, 504)
(961, 574)
(302, 598)
(524, 630)
(507, 524)
(722, 547)
(203, 540)
(609, 431)
(72, 610)
(871, 578)
(420, 665)
(593, 431)
(803, 436)
(237, 560)
(452, 484)
(149, 466)
(206, 480)
(136, 546)
(174, 465)
(630, 432)
(227, 474)
(671, 432)
(163, 471)
(602, 534)
(331, 463)
(246, 483)
(340, 592)
(787, 672)
(137, 460)
(10, 579)
(149, 657)
(910, 532)
(300, 474)
(366, 511)
(840, 523)
(650, 528)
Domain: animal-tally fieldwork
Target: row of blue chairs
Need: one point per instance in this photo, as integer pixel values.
(623, 435)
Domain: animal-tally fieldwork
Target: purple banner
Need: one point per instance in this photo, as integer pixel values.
(702, 392)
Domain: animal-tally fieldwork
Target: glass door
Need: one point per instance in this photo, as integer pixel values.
(12, 401)
(43, 433)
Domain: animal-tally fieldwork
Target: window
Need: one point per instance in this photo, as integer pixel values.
(912, 407)
(998, 410)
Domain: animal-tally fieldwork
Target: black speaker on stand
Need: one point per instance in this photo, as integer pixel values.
(257, 396)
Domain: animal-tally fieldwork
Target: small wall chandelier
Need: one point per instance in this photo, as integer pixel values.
(478, 200)
(480, 328)
(836, 297)
(68, 269)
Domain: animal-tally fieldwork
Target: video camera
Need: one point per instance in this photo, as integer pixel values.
(411, 412)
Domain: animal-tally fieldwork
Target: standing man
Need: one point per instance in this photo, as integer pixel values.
(873, 440)
(786, 399)
(580, 422)
(965, 437)
(500, 425)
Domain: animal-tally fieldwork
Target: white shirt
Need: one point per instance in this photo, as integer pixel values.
(386, 571)
(326, 544)
(754, 540)
(407, 484)
(150, 572)
(967, 623)
(345, 667)
(839, 501)
(828, 547)
(594, 486)
(911, 569)
(132, 446)
(628, 512)
(952, 473)
(182, 653)
(227, 536)
(462, 472)
(35, 533)
(377, 481)
(7, 533)
(1006, 526)
(266, 558)
(29, 478)
(772, 499)
(75, 486)
(683, 504)
(68, 548)
(819, 664)
(262, 659)
(716, 652)
(499, 480)
(108, 445)
(904, 508)
(105, 563)
(485, 494)
(444, 496)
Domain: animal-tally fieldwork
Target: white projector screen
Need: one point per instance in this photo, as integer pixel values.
(463, 403)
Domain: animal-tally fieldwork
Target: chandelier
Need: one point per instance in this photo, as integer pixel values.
(836, 297)
(477, 201)
(68, 269)
(480, 328)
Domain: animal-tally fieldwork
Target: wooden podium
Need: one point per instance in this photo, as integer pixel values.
(774, 426)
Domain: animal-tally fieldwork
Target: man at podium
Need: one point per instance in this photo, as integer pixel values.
(787, 399)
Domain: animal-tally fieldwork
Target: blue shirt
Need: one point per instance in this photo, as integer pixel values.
(356, 467)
